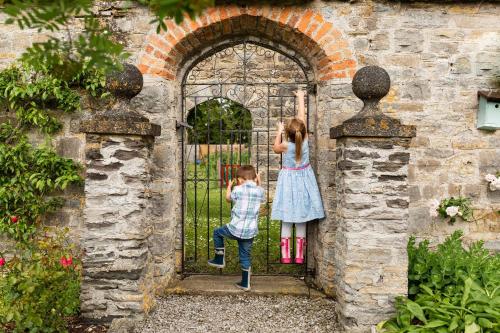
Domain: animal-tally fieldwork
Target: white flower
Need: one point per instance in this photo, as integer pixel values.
(490, 178)
(434, 204)
(495, 185)
(452, 211)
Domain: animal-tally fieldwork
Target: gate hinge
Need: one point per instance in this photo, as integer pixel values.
(182, 124)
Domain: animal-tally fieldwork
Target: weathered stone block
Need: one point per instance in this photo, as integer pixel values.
(408, 40)
(70, 147)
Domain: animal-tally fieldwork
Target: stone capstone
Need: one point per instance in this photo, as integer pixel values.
(371, 83)
(111, 125)
(121, 118)
(126, 83)
(373, 126)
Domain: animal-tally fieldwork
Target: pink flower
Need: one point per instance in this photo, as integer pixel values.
(66, 262)
(14, 219)
(2, 262)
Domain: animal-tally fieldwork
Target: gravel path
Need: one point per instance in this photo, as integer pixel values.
(240, 313)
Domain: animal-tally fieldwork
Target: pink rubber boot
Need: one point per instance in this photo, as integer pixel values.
(285, 251)
(299, 250)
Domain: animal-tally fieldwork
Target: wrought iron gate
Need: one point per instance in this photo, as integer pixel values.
(231, 102)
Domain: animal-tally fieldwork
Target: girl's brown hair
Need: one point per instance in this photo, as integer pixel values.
(296, 132)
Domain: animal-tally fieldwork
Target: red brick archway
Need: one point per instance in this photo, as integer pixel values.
(303, 30)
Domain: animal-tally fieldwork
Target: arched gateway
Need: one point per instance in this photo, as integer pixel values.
(261, 79)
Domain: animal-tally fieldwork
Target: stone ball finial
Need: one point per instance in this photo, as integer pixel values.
(126, 83)
(371, 83)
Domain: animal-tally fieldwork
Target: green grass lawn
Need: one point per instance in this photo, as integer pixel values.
(213, 211)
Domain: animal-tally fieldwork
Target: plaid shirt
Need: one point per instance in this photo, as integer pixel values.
(245, 214)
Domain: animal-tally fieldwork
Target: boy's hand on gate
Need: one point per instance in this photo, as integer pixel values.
(257, 179)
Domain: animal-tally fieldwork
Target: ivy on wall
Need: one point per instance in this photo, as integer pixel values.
(30, 175)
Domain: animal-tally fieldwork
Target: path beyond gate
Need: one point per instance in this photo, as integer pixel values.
(232, 99)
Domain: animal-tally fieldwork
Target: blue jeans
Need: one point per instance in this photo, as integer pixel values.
(244, 245)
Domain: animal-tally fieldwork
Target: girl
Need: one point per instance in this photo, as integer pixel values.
(297, 199)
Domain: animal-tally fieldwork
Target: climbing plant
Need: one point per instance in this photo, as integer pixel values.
(47, 81)
(32, 99)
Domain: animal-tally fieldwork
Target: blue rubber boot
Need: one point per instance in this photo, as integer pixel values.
(245, 279)
(218, 261)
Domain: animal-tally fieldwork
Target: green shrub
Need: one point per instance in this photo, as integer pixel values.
(40, 286)
(452, 289)
(27, 177)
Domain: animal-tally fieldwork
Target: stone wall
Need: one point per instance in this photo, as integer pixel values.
(438, 57)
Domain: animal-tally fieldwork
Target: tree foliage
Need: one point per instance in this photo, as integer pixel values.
(219, 121)
(66, 54)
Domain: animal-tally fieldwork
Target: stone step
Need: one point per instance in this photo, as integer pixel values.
(224, 285)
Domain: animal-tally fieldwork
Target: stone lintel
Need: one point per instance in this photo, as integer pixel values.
(378, 126)
(125, 127)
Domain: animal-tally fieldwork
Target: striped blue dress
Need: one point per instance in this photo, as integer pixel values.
(297, 198)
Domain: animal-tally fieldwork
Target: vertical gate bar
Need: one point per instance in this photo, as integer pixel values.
(305, 271)
(230, 169)
(221, 107)
(249, 145)
(257, 150)
(239, 145)
(183, 185)
(230, 176)
(281, 120)
(307, 107)
(281, 165)
(220, 159)
(208, 185)
(244, 72)
(196, 145)
(294, 105)
(293, 238)
(268, 160)
(293, 226)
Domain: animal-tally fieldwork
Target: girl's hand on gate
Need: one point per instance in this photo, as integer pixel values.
(299, 93)
(280, 127)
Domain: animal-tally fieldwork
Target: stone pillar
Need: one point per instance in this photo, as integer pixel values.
(371, 207)
(117, 261)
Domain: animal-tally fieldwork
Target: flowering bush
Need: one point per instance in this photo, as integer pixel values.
(451, 208)
(494, 181)
(40, 285)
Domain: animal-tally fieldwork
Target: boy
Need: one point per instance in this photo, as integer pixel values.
(247, 197)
